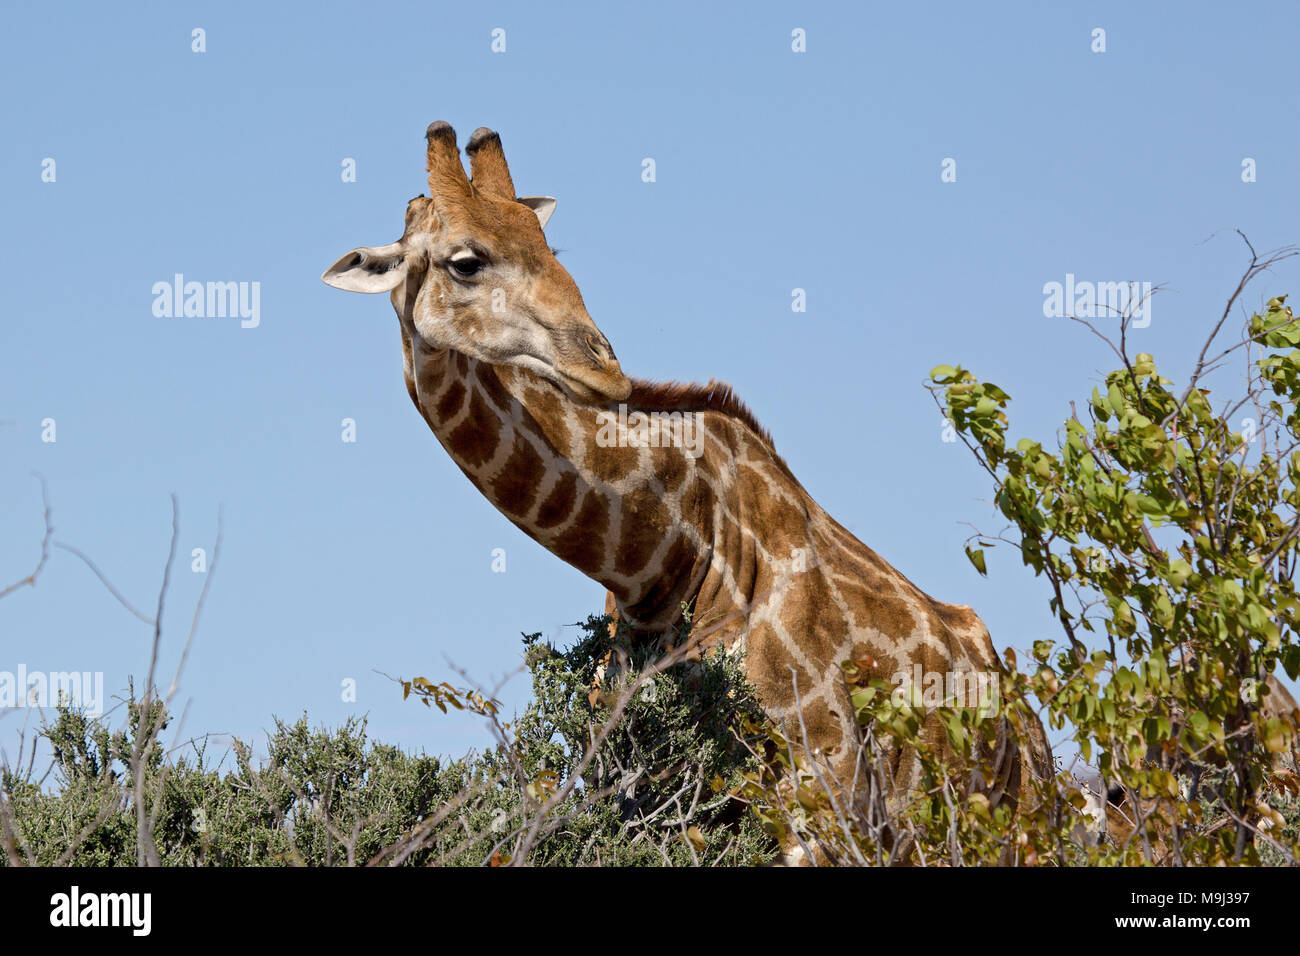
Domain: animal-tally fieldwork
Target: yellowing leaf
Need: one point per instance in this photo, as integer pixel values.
(695, 837)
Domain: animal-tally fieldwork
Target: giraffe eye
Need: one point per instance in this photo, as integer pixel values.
(466, 265)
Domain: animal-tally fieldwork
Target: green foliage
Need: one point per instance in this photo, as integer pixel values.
(1174, 536)
(655, 791)
(962, 813)
(647, 753)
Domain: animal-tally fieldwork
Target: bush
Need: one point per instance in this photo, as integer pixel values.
(655, 791)
(1172, 536)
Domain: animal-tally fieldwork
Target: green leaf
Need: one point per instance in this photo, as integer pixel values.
(1275, 736)
(977, 558)
(1149, 505)
(1291, 661)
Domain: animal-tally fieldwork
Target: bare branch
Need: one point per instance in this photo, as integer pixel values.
(30, 580)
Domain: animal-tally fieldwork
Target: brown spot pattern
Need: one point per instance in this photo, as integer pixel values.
(645, 521)
(515, 488)
(451, 401)
(475, 439)
(559, 503)
(583, 543)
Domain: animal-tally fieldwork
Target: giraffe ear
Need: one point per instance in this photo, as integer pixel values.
(369, 269)
(544, 206)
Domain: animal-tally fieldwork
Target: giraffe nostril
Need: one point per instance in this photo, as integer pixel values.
(596, 347)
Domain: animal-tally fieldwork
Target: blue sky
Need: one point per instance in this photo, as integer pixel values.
(775, 170)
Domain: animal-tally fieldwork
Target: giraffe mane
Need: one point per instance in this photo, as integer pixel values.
(693, 397)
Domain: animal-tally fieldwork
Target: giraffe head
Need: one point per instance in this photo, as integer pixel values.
(473, 272)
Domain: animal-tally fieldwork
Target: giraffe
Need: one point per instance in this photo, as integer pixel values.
(525, 393)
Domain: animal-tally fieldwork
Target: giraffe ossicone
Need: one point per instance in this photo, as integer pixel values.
(520, 387)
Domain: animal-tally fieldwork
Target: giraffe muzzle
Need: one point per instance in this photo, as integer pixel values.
(596, 386)
(590, 370)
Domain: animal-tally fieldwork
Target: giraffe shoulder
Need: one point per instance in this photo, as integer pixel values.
(969, 628)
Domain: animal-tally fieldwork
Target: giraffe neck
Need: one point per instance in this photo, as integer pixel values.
(716, 521)
(728, 532)
(633, 518)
